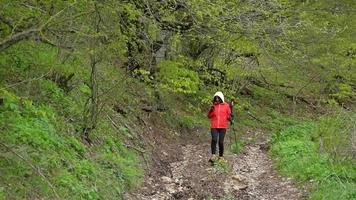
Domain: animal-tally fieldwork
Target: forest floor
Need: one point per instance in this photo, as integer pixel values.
(180, 169)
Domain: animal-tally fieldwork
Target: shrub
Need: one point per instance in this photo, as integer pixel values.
(174, 77)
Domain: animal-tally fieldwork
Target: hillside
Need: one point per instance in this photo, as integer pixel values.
(108, 99)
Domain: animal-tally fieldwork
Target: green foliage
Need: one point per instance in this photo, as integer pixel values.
(237, 146)
(297, 156)
(344, 93)
(330, 189)
(301, 131)
(221, 166)
(28, 124)
(277, 121)
(2, 193)
(143, 75)
(30, 130)
(334, 134)
(264, 52)
(174, 77)
(187, 121)
(264, 96)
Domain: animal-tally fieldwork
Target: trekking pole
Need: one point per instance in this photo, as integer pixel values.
(232, 122)
(234, 130)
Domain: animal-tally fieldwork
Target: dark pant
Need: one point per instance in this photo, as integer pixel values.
(215, 134)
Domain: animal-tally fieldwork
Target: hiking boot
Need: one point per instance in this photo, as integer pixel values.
(213, 158)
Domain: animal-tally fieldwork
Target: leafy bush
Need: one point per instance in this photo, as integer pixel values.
(174, 77)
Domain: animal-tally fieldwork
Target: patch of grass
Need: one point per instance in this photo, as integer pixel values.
(237, 146)
(334, 189)
(298, 156)
(335, 133)
(222, 166)
(275, 121)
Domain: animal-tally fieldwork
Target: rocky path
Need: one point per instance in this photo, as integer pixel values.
(185, 173)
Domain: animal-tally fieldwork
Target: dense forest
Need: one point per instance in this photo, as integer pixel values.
(89, 88)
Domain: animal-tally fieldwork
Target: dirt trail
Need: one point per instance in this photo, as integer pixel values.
(181, 171)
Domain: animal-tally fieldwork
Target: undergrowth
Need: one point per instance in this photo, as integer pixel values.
(38, 159)
(306, 152)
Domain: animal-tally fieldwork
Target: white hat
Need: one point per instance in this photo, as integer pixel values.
(221, 95)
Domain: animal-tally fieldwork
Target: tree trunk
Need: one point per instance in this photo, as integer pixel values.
(160, 54)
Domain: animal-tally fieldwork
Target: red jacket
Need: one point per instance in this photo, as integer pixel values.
(219, 115)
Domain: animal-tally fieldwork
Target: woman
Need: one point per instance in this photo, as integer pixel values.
(219, 114)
